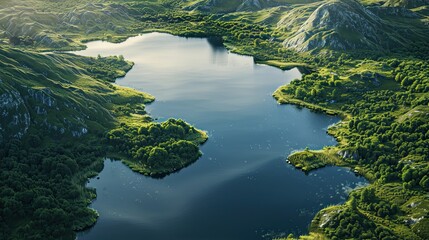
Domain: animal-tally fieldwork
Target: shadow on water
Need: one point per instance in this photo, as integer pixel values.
(216, 43)
(242, 187)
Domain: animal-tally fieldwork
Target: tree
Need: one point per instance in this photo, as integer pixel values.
(406, 82)
(367, 195)
(300, 93)
(407, 175)
(157, 156)
(353, 203)
(424, 183)
(335, 93)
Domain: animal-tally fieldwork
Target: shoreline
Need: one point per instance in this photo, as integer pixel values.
(298, 103)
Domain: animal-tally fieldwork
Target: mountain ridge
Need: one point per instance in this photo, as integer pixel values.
(345, 25)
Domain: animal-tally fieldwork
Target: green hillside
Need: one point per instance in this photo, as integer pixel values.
(225, 6)
(366, 61)
(59, 112)
(406, 3)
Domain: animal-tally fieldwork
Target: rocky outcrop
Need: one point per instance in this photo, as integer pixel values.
(249, 5)
(15, 117)
(22, 107)
(348, 154)
(294, 17)
(341, 25)
(43, 96)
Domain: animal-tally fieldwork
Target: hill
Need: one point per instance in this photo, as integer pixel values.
(56, 93)
(406, 3)
(343, 25)
(225, 6)
(61, 115)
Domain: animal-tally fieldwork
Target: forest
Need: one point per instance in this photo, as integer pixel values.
(157, 149)
(42, 196)
(381, 95)
(385, 135)
(43, 174)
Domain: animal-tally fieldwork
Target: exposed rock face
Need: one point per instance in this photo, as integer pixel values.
(15, 117)
(348, 154)
(296, 16)
(341, 25)
(42, 96)
(24, 106)
(249, 4)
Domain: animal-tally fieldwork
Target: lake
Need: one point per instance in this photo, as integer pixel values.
(242, 187)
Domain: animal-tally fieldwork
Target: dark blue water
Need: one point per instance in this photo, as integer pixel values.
(242, 187)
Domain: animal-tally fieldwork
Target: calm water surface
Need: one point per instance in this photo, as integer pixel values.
(241, 188)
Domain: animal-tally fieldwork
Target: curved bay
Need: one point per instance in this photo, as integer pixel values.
(241, 188)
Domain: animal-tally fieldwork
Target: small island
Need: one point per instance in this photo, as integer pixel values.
(157, 149)
(309, 160)
(62, 114)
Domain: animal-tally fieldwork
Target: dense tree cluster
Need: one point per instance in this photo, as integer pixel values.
(258, 40)
(108, 68)
(318, 88)
(351, 224)
(158, 147)
(412, 75)
(370, 202)
(41, 192)
(387, 134)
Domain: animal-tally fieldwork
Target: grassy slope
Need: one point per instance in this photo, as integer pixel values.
(310, 160)
(79, 101)
(69, 102)
(353, 77)
(73, 89)
(387, 190)
(175, 22)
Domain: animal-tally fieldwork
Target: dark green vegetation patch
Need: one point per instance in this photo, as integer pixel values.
(157, 149)
(366, 61)
(57, 111)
